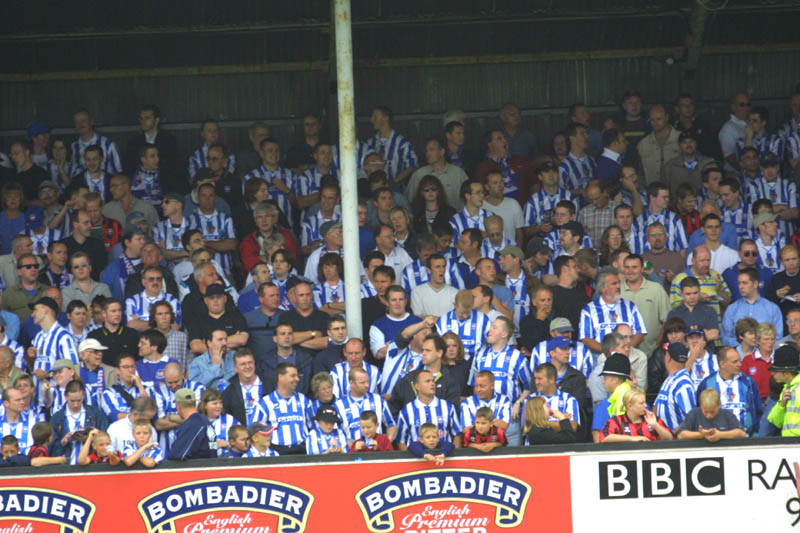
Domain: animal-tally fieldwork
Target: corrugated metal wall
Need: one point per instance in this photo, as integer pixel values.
(417, 94)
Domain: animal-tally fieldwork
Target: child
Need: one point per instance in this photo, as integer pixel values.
(371, 440)
(238, 441)
(484, 435)
(9, 448)
(260, 439)
(144, 451)
(99, 442)
(429, 446)
(327, 438)
(42, 439)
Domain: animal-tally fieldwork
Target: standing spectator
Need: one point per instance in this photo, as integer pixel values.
(81, 240)
(695, 312)
(162, 318)
(507, 209)
(301, 155)
(733, 129)
(598, 211)
(534, 328)
(152, 133)
(455, 151)
(544, 378)
(76, 416)
(676, 397)
(286, 408)
(401, 161)
(756, 135)
(29, 175)
(245, 389)
(217, 228)
(686, 166)
(650, 298)
(124, 203)
(578, 169)
(751, 304)
(217, 315)
(450, 176)
(117, 337)
(284, 351)
(657, 211)
(15, 420)
(195, 438)
(427, 408)
(516, 171)
(352, 406)
(713, 289)
(262, 321)
(615, 143)
(782, 192)
(309, 324)
(784, 287)
(521, 141)
(658, 147)
(281, 181)
(209, 132)
(470, 325)
(757, 363)
(737, 391)
(116, 274)
(84, 127)
(95, 177)
(748, 258)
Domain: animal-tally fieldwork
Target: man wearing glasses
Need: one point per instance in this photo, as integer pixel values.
(17, 298)
(137, 307)
(83, 287)
(732, 130)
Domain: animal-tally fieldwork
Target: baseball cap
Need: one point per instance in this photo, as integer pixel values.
(695, 329)
(769, 160)
(134, 217)
(36, 128)
(786, 359)
(215, 289)
(46, 300)
(62, 363)
(561, 324)
(513, 251)
(326, 227)
(91, 344)
(678, 352)
(175, 196)
(34, 217)
(185, 395)
(48, 184)
(326, 413)
(557, 342)
(133, 229)
(538, 245)
(262, 428)
(617, 365)
(764, 217)
(691, 133)
(547, 166)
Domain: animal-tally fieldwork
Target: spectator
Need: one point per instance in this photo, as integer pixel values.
(636, 423)
(286, 408)
(615, 144)
(544, 378)
(686, 165)
(785, 285)
(736, 391)
(709, 421)
(470, 325)
(401, 161)
(15, 420)
(17, 298)
(659, 147)
(83, 287)
(216, 366)
(693, 311)
(124, 202)
(713, 289)
(427, 408)
(748, 258)
(217, 317)
(534, 328)
(450, 176)
(195, 438)
(750, 304)
(676, 396)
(74, 418)
(117, 337)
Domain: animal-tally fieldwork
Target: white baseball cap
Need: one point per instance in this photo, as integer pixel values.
(90, 344)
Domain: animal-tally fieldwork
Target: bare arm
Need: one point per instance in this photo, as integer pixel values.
(593, 345)
(637, 339)
(225, 245)
(238, 339)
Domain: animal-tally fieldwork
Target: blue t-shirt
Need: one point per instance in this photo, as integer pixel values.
(601, 415)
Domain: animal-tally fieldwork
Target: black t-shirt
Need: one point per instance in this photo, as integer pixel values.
(568, 303)
(532, 331)
(231, 321)
(316, 321)
(30, 180)
(94, 248)
(123, 340)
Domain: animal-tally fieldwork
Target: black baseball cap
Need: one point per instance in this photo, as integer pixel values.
(326, 413)
(678, 352)
(49, 302)
(215, 289)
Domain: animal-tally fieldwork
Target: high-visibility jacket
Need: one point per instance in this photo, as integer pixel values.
(788, 418)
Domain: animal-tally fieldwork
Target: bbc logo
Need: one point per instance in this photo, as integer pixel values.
(662, 478)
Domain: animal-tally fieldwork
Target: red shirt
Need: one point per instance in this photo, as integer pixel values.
(691, 221)
(758, 369)
(93, 458)
(622, 425)
(496, 434)
(250, 250)
(382, 441)
(38, 451)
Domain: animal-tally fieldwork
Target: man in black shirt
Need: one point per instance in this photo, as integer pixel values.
(308, 324)
(217, 317)
(167, 144)
(28, 175)
(82, 240)
(193, 304)
(569, 296)
(535, 327)
(118, 338)
(333, 354)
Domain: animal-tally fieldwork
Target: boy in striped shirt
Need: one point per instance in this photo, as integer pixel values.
(217, 227)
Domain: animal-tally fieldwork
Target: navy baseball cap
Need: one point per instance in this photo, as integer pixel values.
(36, 128)
(678, 352)
(557, 342)
(695, 329)
(34, 217)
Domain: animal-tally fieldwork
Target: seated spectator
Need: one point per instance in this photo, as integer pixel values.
(252, 249)
(737, 391)
(329, 293)
(484, 435)
(308, 324)
(244, 390)
(146, 179)
(326, 438)
(262, 321)
(150, 367)
(144, 451)
(124, 202)
(116, 401)
(12, 220)
(214, 367)
(260, 440)
(709, 421)
(751, 304)
(117, 273)
(121, 431)
(370, 440)
(83, 287)
(636, 424)
(39, 453)
(239, 442)
(16, 420)
(538, 428)
(137, 307)
(151, 258)
(211, 406)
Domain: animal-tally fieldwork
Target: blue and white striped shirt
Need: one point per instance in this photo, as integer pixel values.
(362, 151)
(165, 401)
(520, 298)
(74, 423)
(251, 395)
(793, 145)
(155, 453)
(368, 290)
(637, 241)
(310, 230)
(146, 184)
(253, 452)
(462, 221)
(779, 192)
(396, 151)
(598, 319)
(438, 412)
(511, 372)
(703, 367)
(676, 235)
(340, 374)
(197, 160)
(576, 172)
(769, 143)
(471, 331)
(168, 236)
(99, 185)
(289, 415)
(560, 401)
(319, 442)
(324, 293)
(138, 305)
(491, 251)
(113, 404)
(215, 227)
(541, 202)
(280, 197)
(58, 397)
(553, 240)
(792, 127)
(414, 275)
(675, 399)
(222, 424)
(398, 364)
(112, 163)
(309, 183)
(741, 217)
(20, 429)
(350, 410)
(769, 256)
(580, 357)
(41, 241)
(499, 404)
(52, 345)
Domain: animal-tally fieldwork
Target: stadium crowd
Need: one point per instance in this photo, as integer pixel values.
(638, 282)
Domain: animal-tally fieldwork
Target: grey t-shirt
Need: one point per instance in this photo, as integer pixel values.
(724, 421)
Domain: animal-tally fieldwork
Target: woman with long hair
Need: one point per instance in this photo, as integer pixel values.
(611, 241)
(636, 424)
(211, 407)
(673, 330)
(329, 291)
(454, 359)
(537, 429)
(430, 205)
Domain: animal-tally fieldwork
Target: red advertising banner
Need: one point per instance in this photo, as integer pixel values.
(467, 495)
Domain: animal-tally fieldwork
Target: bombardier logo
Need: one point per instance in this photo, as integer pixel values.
(661, 478)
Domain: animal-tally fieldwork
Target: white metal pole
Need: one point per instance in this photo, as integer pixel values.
(347, 162)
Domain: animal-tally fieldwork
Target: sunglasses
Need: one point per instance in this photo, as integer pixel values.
(30, 265)
(428, 189)
(749, 253)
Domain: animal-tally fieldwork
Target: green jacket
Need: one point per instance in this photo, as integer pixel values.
(788, 417)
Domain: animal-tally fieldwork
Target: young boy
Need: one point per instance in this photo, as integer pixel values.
(686, 207)
(484, 435)
(9, 448)
(238, 441)
(146, 452)
(371, 440)
(98, 442)
(430, 446)
(260, 439)
(42, 439)
(327, 438)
